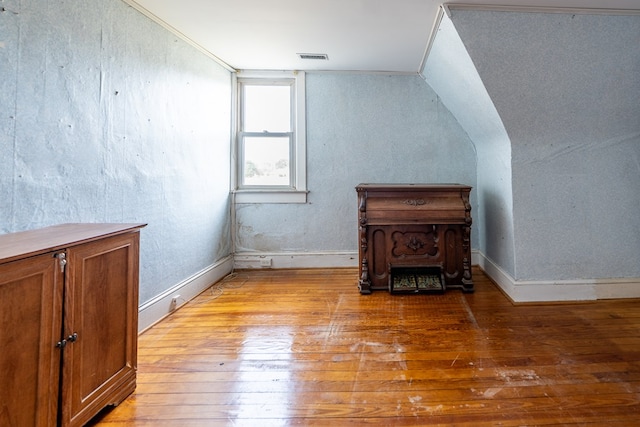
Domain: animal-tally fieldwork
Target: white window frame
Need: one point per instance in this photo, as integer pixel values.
(297, 191)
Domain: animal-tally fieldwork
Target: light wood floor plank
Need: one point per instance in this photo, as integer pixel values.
(303, 347)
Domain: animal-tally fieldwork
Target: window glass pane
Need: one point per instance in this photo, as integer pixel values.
(267, 108)
(266, 161)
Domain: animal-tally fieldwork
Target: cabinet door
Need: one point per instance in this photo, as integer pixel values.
(30, 325)
(101, 316)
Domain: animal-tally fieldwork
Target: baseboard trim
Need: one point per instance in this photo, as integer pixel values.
(159, 307)
(529, 291)
(328, 259)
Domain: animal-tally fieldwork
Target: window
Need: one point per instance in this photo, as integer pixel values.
(270, 153)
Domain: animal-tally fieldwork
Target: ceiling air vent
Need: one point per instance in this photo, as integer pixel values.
(321, 56)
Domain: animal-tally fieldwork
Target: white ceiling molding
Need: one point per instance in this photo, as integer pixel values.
(432, 36)
(539, 9)
(178, 33)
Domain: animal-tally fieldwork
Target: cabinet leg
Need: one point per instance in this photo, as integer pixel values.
(364, 284)
(365, 288)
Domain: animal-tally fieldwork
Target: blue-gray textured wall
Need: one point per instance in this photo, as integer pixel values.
(107, 117)
(451, 73)
(566, 87)
(360, 128)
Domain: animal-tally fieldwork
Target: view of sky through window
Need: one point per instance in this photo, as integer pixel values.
(267, 108)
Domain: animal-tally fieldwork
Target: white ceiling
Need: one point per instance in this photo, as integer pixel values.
(357, 35)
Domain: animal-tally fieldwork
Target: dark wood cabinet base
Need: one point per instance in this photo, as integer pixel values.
(420, 226)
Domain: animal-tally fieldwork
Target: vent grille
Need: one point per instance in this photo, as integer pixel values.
(320, 56)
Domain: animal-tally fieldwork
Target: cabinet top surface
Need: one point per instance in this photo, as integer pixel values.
(28, 243)
(411, 187)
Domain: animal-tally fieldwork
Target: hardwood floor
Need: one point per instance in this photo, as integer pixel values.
(303, 347)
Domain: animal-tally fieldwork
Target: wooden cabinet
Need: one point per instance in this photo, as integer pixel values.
(30, 319)
(68, 322)
(414, 226)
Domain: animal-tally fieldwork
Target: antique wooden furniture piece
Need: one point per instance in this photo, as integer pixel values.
(408, 228)
(68, 322)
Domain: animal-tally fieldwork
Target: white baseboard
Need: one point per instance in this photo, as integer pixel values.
(329, 259)
(475, 257)
(159, 307)
(524, 291)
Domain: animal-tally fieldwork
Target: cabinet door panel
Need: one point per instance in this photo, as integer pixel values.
(30, 325)
(453, 261)
(101, 301)
(379, 258)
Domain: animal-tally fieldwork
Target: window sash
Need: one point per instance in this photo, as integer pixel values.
(267, 133)
(289, 83)
(243, 184)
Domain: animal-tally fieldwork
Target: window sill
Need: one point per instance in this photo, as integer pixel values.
(270, 196)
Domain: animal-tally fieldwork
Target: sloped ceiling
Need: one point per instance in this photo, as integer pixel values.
(357, 35)
(550, 101)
